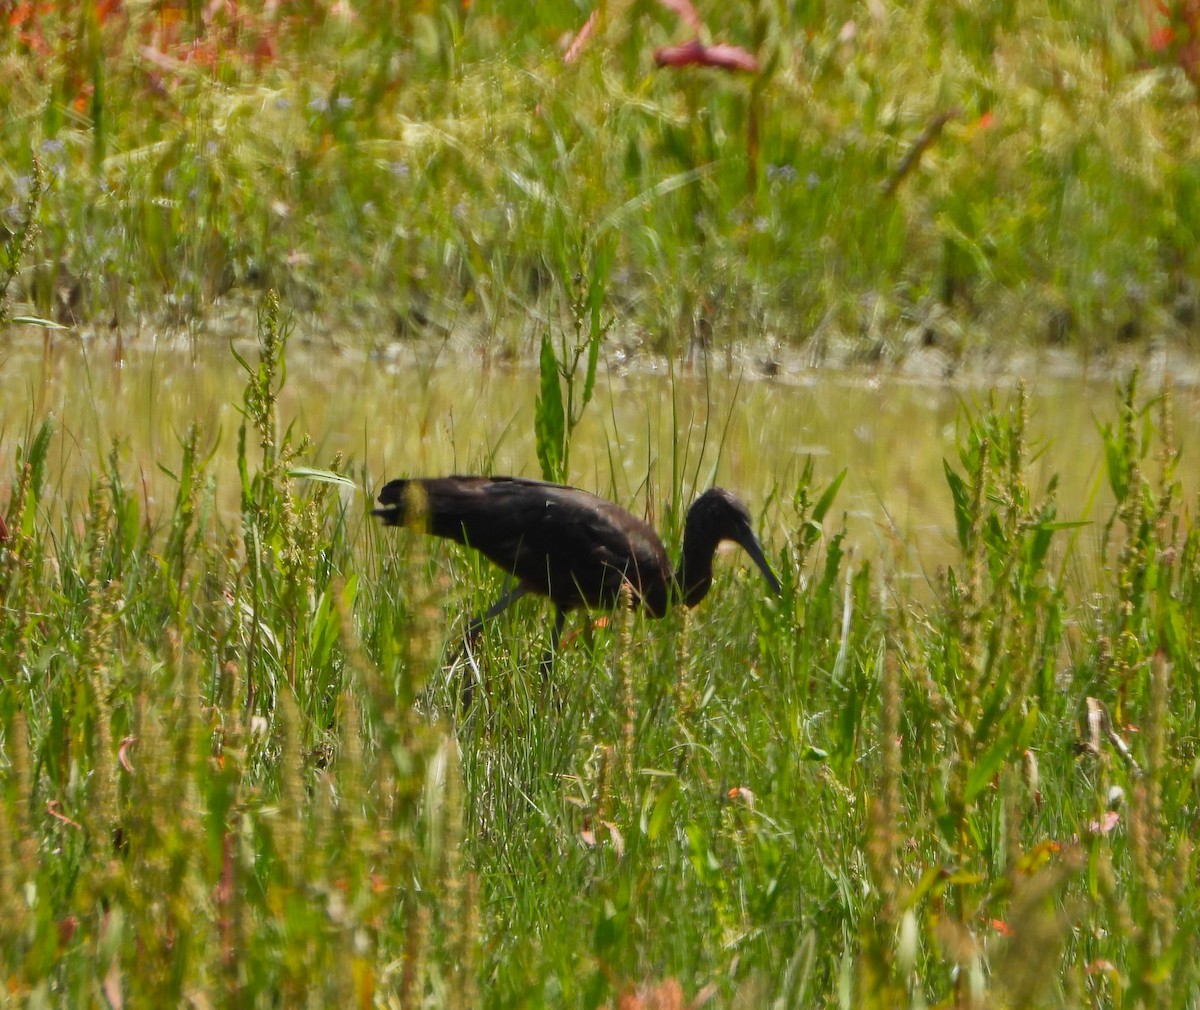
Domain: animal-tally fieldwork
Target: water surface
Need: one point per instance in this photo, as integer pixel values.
(647, 427)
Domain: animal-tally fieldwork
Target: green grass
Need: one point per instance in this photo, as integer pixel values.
(231, 774)
(398, 172)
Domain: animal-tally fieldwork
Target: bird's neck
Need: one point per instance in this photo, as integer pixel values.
(693, 577)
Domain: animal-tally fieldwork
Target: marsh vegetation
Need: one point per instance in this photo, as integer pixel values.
(892, 175)
(954, 762)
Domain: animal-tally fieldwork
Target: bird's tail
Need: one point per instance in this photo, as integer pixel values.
(404, 503)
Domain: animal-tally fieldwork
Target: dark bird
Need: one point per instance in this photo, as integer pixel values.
(569, 545)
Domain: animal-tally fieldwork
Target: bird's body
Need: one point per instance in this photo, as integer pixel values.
(569, 545)
(557, 541)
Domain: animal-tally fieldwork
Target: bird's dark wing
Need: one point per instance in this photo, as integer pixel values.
(560, 541)
(591, 547)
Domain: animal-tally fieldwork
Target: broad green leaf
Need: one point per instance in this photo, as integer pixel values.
(661, 810)
(321, 476)
(549, 420)
(962, 504)
(826, 500)
(1014, 739)
(48, 324)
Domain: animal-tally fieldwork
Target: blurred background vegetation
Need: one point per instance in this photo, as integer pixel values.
(964, 174)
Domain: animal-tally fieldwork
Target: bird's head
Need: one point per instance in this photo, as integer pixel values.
(715, 516)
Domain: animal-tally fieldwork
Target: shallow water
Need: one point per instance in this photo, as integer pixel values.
(453, 413)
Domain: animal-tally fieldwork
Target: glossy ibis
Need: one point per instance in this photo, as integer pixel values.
(569, 545)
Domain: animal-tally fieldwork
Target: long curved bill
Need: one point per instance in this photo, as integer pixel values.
(749, 543)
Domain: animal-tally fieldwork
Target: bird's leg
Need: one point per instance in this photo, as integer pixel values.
(560, 619)
(470, 676)
(510, 594)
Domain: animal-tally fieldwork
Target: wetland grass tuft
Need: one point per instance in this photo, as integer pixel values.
(225, 779)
